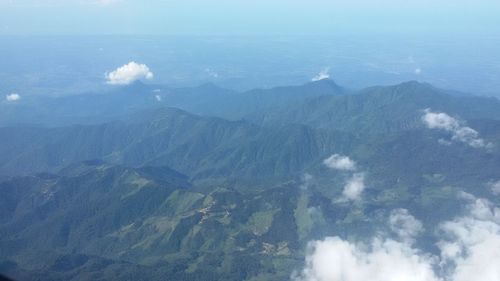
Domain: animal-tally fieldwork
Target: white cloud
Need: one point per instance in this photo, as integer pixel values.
(460, 133)
(418, 71)
(129, 73)
(211, 73)
(323, 74)
(468, 251)
(440, 121)
(158, 97)
(495, 187)
(469, 136)
(471, 243)
(354, 187)
(340, 162)
(334, 259)
(307, 180)
(355, 184)
(405, 225)
(12, 97)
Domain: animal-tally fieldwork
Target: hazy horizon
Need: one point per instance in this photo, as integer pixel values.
(450, 44)
(45, 64)
(224, 17)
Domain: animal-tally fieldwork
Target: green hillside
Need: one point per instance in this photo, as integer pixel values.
(167, 194)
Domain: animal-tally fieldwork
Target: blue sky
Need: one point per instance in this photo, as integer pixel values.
(244, 17)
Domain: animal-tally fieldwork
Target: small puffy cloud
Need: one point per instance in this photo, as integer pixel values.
(436, 120)
(460, 133)
(12, 97)
(158, 97)
(129, 73)
(418, 71)
(354, 187)
(323, 74)
(404, 224)
(340, 162)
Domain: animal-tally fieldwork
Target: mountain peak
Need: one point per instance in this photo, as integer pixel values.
(135, 86)
(326, 83)
(414, 84)
(209, 86)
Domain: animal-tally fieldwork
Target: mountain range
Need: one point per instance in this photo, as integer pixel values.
(148, 182)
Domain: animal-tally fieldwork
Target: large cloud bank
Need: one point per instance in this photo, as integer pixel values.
(129, 73)
(471, 246)
(334, 259)
(469, 251)
(460, 133)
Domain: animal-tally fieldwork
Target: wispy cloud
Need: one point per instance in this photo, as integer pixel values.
(129, 73)
(495, 187)
(406, 226)
(306, 181)
(212, 73)
(323, 74)
(460, 133)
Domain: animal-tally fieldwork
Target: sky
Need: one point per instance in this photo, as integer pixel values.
(244, 17)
